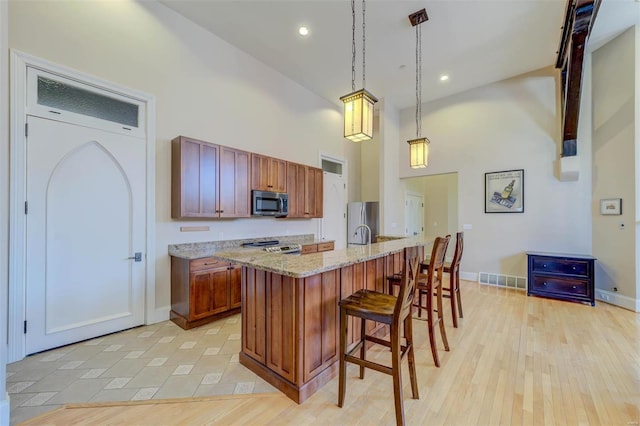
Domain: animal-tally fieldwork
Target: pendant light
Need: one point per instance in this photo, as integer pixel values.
(418, 147)
(358, 105)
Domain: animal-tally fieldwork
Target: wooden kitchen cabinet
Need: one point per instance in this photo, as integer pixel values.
(268, 173)
(316, 248)
(290, 329)
(203, 290)
(235, 194)
(305, 189)
(208, 181)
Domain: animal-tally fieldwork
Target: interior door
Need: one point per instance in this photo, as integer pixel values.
(334, 219)
(414, 215)
(85, 222)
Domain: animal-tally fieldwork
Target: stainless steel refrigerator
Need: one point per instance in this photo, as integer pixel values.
(362, 213)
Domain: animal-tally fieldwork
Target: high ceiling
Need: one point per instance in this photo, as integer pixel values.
(474, 42)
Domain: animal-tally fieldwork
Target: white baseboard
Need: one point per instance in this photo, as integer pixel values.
(469, 276)
(4, 411)
(618, 300)
(160, 314)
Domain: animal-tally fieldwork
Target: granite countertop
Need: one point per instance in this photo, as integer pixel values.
(192, 251)
(300, 266)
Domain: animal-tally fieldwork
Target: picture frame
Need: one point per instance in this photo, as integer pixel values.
(611, 206)
(504, 191)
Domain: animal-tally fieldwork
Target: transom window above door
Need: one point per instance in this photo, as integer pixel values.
(59, 98)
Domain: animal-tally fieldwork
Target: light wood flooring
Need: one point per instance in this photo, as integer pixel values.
(514, 360)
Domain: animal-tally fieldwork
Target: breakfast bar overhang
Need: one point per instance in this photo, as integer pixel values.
(290, 314)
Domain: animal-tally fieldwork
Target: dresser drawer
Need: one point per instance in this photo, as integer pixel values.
(309, 248)
(325, 246)
(558, 285)
(206, 263)
(560, 266)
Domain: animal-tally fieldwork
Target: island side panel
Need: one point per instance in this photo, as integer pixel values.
(320, 322)
(253, 313)
(281, 325)
(375, 281)
(394, 265)
(352, 280)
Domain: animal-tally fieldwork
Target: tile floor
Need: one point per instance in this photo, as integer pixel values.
(149, 362)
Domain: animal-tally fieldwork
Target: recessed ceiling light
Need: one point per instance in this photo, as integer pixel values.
(444, 77)
(303, 31)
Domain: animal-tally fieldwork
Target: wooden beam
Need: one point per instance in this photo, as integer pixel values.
(579, 18)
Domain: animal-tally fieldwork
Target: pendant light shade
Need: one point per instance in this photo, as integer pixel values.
(419, 153)
(358, 105)
(358, 115)
(418, 147)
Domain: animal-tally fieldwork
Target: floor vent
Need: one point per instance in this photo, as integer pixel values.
(499, 280)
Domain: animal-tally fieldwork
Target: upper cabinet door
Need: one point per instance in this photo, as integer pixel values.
(268, 174)
(315, 191)
(278, 175)
(194, 179)
(304, 186)
(260, 172)
(234, 183)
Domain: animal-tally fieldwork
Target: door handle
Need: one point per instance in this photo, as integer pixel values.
(137, 257)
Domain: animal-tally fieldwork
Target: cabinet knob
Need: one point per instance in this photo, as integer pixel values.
(544, 265)
(544, 283)
(574, 268)
(573, 286)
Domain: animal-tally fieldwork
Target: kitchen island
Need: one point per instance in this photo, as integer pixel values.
(290, 313)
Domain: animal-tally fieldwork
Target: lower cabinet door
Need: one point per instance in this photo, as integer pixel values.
(220, 291)
(200, 299)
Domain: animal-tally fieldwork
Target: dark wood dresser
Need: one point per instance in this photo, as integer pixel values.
(562, 276)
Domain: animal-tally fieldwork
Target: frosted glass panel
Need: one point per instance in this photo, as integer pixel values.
(331, 167)
(58, 95)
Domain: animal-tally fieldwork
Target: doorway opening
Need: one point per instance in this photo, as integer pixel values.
(333, 225)
(440, 197)
(127, 118)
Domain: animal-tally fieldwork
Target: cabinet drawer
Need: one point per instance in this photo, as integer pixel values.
(557, 285)
(311, 248)
(325, 246)
(206, 263)
(561, 266)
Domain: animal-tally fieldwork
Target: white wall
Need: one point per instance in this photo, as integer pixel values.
(4, 209)
(370, 160)
(391, 190)
(614, 163)
(512, 124)
(204, 88)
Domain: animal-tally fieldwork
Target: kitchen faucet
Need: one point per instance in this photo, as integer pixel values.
(363, 226)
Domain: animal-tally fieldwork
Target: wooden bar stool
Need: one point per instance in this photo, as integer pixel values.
(390, 310)
(429, 286)
(453, 269)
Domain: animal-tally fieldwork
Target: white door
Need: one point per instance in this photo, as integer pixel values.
(334, 211)
(414, 216)
(85, 220)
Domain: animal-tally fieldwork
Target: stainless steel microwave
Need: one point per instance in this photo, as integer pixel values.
(266, 203)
